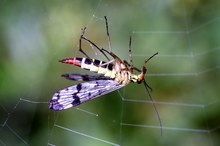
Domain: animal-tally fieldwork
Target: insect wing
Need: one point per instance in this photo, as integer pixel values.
(80, 77)
(82, 92)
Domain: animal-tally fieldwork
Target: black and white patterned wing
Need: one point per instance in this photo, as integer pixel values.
(82, 92)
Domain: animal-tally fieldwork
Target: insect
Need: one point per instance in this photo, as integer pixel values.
(112, 75)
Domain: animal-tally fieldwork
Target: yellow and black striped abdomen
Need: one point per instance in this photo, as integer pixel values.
(92, 64)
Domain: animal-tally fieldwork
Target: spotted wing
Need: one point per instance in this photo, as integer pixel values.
(82, 92)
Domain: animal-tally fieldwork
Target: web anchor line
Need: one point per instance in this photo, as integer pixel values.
(86, 135)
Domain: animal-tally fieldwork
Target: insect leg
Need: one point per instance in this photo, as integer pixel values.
(101, 50)
(155, 108)
(109, 43)
(130, 54)
(80, 42)
(109, 40)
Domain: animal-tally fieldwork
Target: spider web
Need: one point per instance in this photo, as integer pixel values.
(184, 76)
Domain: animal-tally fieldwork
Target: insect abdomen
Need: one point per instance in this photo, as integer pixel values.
(92, 65)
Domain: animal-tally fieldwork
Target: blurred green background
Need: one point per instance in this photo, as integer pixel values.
(35, 34)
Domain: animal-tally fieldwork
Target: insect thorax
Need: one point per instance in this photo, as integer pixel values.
(123, 77)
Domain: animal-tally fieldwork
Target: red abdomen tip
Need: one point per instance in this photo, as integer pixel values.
(74, 61)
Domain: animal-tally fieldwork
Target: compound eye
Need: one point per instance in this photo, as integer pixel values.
(139, 81)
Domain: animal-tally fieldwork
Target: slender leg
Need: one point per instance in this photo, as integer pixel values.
(101, 50)
(130, 53)
(80, 42)
(109, 40)
(109, 43)
(154, 105)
